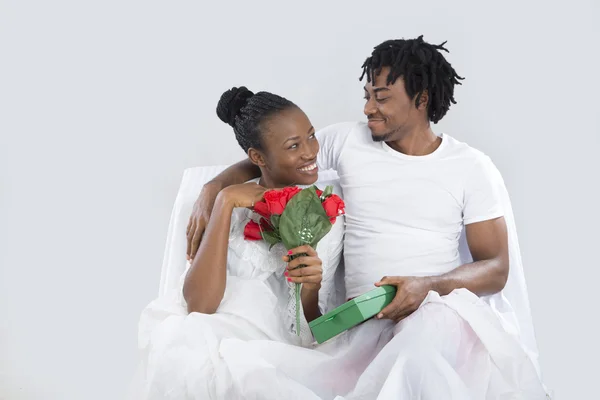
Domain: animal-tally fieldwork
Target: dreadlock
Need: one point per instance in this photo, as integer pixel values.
(423, 68)
(245, 111)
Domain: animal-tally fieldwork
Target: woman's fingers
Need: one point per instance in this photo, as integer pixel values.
(304, 260)
(306, 268)
(306, 249)
(307, 271)
(305, 279)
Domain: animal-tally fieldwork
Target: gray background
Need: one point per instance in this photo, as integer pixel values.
(104, 104)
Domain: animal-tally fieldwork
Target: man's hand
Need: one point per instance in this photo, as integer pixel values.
(411, 291)
(200, 216)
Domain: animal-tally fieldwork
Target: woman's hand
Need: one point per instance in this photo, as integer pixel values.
(244, 195)
(306, 268)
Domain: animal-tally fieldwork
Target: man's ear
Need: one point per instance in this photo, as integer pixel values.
(424, 100)
(256, 157)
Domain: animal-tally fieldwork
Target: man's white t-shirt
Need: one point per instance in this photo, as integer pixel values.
(405, 214)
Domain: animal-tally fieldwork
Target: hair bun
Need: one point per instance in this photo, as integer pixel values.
(231, 103)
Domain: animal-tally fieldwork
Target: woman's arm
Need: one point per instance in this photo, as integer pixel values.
(204, 284)
(310, 304)
(238, 173)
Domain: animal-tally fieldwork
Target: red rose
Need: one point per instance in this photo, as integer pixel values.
(277, 199)
(252, 231)
(261, 209)
(265, 225)
(334, 207)
(319, 192)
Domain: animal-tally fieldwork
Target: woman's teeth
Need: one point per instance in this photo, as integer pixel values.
(308, 168)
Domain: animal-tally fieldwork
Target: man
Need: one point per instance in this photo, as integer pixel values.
(409, 194)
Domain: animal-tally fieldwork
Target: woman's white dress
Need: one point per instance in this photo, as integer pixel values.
(183, 355)
(454, 347)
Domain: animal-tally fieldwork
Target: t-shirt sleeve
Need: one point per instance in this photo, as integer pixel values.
(332, 140)
(482, 200)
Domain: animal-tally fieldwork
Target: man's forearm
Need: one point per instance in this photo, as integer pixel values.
(239, 172)
(483, 278)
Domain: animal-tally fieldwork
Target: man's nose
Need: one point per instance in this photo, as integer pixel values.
(370, 107)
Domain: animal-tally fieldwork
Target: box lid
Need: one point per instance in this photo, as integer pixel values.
(372, 294)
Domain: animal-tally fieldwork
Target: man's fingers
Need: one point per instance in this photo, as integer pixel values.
(384, 281)
(189, 225)
(189, 234)
(394, 308)
(195, 244)
(191, 228)
(397, 312)
(401, 316)
(387, 311)
(394, 314)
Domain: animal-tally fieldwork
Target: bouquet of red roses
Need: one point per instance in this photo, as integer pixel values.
(295, 217)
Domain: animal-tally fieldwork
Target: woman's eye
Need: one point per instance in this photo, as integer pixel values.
(366, 98)
(294, 146)
(381, 100)
(312, 136)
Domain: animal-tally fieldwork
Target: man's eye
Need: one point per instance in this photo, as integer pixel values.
(312, 136)
(382, 100)
(294, 146)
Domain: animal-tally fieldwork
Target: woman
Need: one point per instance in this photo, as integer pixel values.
(237, 290)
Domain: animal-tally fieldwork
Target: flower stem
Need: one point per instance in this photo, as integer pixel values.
(298, 289)
(297, 309)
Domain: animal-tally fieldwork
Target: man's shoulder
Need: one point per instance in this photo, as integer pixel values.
(345, 134)
(462, 150)
(343, 128)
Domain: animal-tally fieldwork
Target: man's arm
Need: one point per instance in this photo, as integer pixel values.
(238, 173)
(487, 274)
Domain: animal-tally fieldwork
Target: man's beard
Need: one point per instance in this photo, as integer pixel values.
(386, 136)
(382, 138)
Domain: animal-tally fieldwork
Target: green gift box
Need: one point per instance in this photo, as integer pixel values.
(352, 313)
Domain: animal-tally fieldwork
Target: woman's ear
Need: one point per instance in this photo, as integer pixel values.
(257, 157)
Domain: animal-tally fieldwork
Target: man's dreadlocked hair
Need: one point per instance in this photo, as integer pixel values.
(422, 66)
(245, 111)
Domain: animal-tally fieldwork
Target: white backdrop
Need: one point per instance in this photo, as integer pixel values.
(103, 104)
